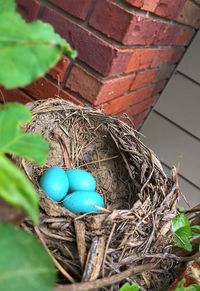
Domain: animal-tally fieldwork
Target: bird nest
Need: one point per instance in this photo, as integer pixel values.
(131, 238)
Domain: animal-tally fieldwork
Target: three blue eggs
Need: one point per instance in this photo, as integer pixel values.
(75, 188)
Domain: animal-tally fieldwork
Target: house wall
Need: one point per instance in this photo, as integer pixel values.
(127, 50)
(172, 129)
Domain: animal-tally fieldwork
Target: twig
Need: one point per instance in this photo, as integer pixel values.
(100, 283)
(54, 236)
(191, 258)
(149, 178)
(66, 157)
(102, 209)
(80, 240)
(106, 249)
(193, 210)
(97, 161)
(94, 259)
(57, 264)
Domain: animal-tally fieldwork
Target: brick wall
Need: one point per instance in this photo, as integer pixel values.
(127, 51)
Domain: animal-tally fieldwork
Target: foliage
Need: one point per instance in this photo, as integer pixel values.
(130, 287)
(182, 231)
(8, 5)
(27, 50)
(14, 140)
(24, 264)
(193, 287)
(15, 188)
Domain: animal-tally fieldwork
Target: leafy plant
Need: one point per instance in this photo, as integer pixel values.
(24, 264)
(182, 231)
(130, 287)
(192, 287)
(27, 50)
(15, 188)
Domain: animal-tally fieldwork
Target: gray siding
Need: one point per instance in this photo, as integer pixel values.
(180, 103)
(190, 65)
(172, 129)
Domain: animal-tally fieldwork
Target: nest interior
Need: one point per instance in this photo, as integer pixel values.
(131, 238)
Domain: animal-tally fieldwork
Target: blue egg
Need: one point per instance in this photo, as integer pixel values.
(80, 180)
(83, 202)
(54, 183)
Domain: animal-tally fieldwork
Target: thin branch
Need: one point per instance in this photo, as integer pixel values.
(60, 268)
(100, 283)
(191, 258)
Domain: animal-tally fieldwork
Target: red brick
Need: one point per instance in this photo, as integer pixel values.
(150, 5)
(150, 76)
(176, 55)
(112, 20)
(167, 34)
(98, 54)
(14, 95)
(44, 89)
(190, 14)
(184, 37)
(139, 118)
(136, 3)
(144, 78)
(130, 28)
(167, 56)
(141, 58)
(28, 9)
(169, 9)
(165, 8)
(78, 8)
(140, 107)
(59, 70)
(121, 103)
(94, 89)
(151, 57)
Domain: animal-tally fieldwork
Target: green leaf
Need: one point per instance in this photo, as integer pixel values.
(14, 140)
(182, 238)
(17, 190)
(181, 283)
(193, 287)
(24, 263)
(7, 5)
(27, 50)
(180, 221)
(130, 287)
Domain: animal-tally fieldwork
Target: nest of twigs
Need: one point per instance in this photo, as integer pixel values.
(131, 238)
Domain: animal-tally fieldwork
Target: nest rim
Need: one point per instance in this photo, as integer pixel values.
(150, 170)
